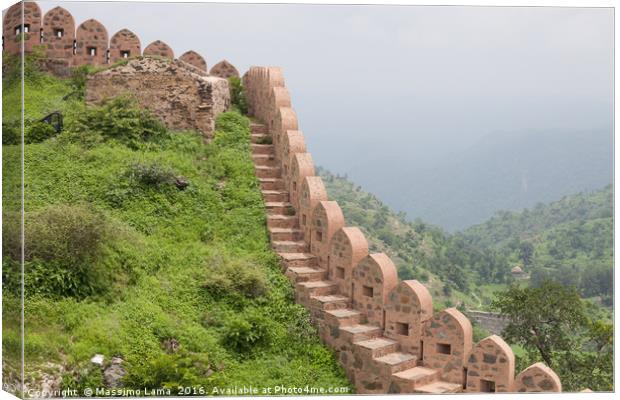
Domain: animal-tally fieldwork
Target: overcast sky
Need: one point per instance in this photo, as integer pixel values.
(414, 82)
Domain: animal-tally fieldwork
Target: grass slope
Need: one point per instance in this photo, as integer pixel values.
(191, 293)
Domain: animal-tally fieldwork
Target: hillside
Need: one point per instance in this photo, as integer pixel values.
(145, 246)
(569, 241)
(500, 172)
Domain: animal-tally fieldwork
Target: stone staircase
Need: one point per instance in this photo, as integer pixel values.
(328, 308)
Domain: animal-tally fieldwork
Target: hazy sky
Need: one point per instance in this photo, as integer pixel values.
(413, 82)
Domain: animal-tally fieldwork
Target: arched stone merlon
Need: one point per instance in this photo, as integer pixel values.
(327, 218)
(194, 59)
(409, 305)
(346, 249)
(447, 341)
(58, 33)
(286, 120)
(14, 27)
(537, 378)
(159, 49)
(374, 277)
(91, 43)
(124, 44)
(491, 366)
(292, 143)
(275, 77)
(224, 69)
(312, 193)
(301, 166)
(280, 97)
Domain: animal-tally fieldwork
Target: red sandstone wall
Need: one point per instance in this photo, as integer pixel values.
(384, 332)
(66, 45)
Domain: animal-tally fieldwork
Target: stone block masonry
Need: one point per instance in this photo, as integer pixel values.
(65, 45)
(382, 330)
(179, 97)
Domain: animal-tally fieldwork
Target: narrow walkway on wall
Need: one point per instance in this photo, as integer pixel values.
(357, 341)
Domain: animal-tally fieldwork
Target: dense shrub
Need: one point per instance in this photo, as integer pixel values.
(11, 132)
(152, 174)
(38, 132)
(63, 247)
(247, 332)
(120, 119)
(171, 371)
(230, 276)
(237, 94)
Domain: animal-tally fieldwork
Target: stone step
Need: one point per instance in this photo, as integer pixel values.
(275, 195)
(342, 317)
(264, 159)
(407, 380)
(396, 362)
(266, 172)
(316, 288)
(377, 347)
(285, 246)
(282, 221)
(280, 208)
(439, 387)
(305, 274)
(263, 149)
(261, 138)
(290, 260)
(257, 128)
(330, 302)
(271, 183)
(289, 234)
(360, 332)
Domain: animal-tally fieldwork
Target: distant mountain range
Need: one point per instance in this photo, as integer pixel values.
(500, 172)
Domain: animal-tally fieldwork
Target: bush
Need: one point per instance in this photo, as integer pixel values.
(230, 276)
(120, 119)
(170, 371)
(38, 132)
(247, 332)
(237, 94)
(63, 245)
(151, 174)
(11, 132)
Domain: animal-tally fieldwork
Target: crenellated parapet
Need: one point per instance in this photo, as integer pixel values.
(66, 44)
(383, 331)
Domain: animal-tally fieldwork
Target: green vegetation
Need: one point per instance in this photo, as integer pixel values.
(554, 325)
(121, 260)
(568, 241)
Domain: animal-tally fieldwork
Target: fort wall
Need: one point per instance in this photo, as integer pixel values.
(382, 330)
(65, 45)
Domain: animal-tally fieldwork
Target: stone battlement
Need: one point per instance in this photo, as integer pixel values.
(383, 330)
(66, 46)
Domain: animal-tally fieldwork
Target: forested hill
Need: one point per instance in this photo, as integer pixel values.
(569, 241)
(580, 208)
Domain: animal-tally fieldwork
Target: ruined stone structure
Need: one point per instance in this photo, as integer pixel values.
(176, 95)
(492, 322)
(383, 331)
(65, 45)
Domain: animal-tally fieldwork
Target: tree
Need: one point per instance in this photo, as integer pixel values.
(542, 318)
(554, 325)
(526, 252)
